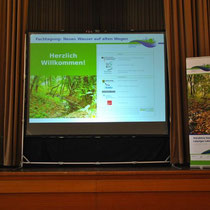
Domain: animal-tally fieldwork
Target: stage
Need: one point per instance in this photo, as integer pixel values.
(104, 188)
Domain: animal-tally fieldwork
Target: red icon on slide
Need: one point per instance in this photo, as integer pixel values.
(109, 102)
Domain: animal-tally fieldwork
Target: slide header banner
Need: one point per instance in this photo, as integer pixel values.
(94, 38)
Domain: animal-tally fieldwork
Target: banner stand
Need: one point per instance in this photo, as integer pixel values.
(198, 83)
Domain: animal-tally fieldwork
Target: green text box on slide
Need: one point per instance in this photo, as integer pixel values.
(63, 59)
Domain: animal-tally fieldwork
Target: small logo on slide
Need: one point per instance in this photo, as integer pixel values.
(146, 42)
(205, 67)
(107, 84)
(109, 102)
(207, 152)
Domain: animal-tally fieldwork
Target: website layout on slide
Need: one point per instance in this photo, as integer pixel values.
(96, 78)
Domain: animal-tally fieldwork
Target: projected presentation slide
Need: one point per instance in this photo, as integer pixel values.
(83, 78)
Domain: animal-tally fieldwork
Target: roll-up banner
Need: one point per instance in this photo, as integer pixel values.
(198, 83)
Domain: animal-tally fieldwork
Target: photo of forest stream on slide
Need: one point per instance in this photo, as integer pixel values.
(62, 96)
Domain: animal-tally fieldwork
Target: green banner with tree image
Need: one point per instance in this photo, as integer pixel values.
(198, 83)
(62, 80)
(62, 96)
(63, 59)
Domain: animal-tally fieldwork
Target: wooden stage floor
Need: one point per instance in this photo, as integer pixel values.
(127, 188)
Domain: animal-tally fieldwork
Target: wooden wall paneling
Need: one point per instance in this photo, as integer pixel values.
(183, 189)
(153, 201)
(45, 201)
(107, 201)
(101, 182)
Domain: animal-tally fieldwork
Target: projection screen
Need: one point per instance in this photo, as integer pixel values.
(96, 84)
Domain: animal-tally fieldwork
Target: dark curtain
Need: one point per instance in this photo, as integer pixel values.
(13, 14)
(188, 34)
(103, 15)
(55, 15)
(187, 29)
